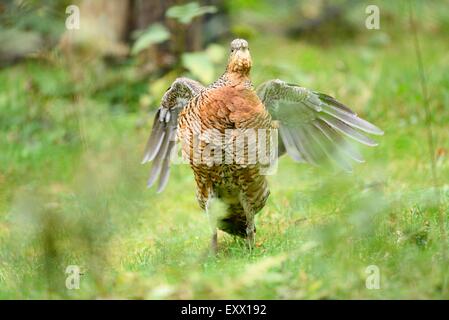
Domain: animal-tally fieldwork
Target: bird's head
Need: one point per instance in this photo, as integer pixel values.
(239, 58)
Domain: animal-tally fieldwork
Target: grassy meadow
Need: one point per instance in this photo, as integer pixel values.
(73, 191)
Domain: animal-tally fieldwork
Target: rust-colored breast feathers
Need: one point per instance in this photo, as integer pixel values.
(232, 107)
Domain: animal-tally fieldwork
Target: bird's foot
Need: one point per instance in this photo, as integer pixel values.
(250, 239)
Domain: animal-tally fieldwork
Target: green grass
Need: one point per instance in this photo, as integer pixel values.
(73, 192)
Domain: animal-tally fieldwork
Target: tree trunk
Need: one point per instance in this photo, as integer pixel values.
(107, 27)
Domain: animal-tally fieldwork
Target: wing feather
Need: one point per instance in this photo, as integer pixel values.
(314, 126)
(161, 142)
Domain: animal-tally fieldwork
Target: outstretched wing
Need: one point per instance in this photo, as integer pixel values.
(313, 126)
(163, 134)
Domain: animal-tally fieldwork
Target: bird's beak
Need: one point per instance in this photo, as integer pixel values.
(243, 53)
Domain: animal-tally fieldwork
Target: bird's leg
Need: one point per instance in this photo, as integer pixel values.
(214, 242)
(250, 234)
(213, 225)
(250, 227)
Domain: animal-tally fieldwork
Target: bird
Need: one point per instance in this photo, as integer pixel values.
(219, 126)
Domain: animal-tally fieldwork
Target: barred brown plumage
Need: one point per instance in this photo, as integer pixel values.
(219, 125)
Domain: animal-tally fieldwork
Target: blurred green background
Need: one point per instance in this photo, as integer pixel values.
(76, 108)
